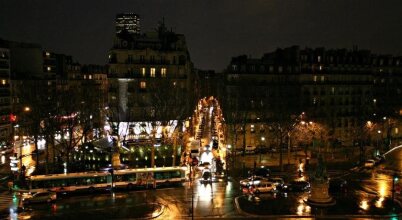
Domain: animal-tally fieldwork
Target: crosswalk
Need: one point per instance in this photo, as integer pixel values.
(6, 199)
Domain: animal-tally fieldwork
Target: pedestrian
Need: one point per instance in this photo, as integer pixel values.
(10, 185)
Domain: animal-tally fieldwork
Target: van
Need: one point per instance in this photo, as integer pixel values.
(250, 149)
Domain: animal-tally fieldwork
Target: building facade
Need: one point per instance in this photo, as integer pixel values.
(5, 95)
(128, 22)
(355, 94)
(150, 77)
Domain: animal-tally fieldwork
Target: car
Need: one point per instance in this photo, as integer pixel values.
(252, 181)
(369, 163)
(250, 149)
(40, 197)
(206, 175)
(262, 171)
(262, 149)
(379, 159)
(263, 187)
(277, 181)
(297, 186)
(337, 185)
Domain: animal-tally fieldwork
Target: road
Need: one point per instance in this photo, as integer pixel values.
(209, 200)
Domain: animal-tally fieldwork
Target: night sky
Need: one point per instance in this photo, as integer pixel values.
(215, 30)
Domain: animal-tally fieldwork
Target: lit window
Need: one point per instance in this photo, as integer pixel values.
(90, 77)
(143, 71)
(143, 85)
(152, 72)
(49, 68)
(319, 58)
(333, 90)
(396, 130)
(163, 72)
(3, 81)
(85, 76)
(320, 67)
(47, 54)
(315, 78)
(322, 78)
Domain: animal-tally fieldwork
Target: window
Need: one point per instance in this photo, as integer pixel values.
(143, 85)
(89, 76)
(152, 72)
(322, 78)
(3, 81)
(319, 58)
(234, 67)
(143, 71)
(163, 72)
(315, 78)
(280, 69)
(152, 59)
(49, 68)
(130, 59)
(142, 58)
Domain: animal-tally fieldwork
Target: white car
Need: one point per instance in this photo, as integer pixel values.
(252, 181)
(263, 187)
(40, 197)
(369, 163)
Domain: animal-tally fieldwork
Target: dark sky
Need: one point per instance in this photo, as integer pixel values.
(215, 30)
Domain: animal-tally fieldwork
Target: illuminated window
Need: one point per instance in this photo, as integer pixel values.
(396, 130)
(90, 77)
(333, 90)
(163, 72)
(49, 68)
(319, 58)
(3, 81)
(85, 76)
(322, 78)
(143, 85)
(152, 72)
(315, 78)
(143, 71)
(320, 68)
(47, 54)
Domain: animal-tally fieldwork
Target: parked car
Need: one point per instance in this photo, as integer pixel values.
(250, 149)
(262, 171)
(369, 163)
(297, 186)
(40, 197)
(262, 149)
(277, 181)
(252, 181)
(379, 159)
(263, 187)
(337, 185)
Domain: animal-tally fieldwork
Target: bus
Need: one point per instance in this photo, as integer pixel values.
(90, 181)
(153, 177)
(97, 180)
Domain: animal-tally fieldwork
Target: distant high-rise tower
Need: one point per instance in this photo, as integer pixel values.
(129, 22)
